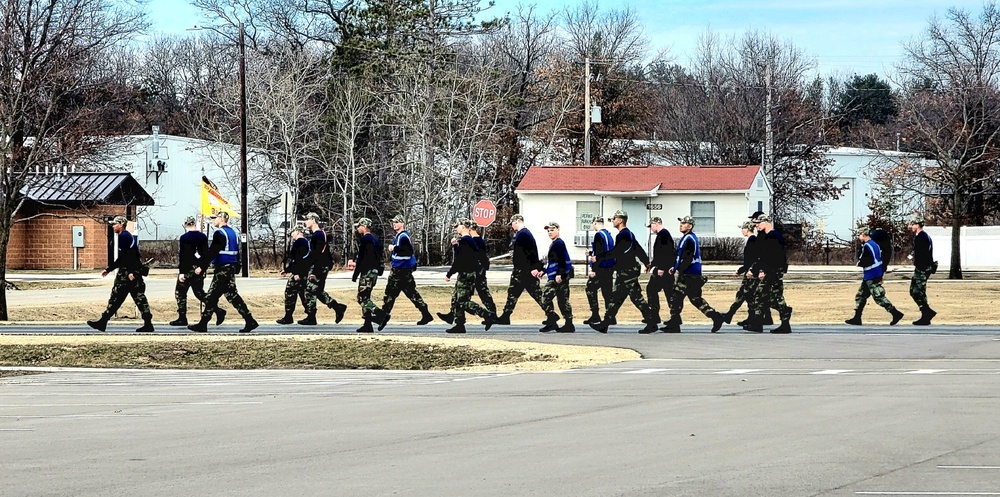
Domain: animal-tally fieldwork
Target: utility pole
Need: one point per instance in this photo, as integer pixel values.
(768, 128)
(586, 112)
(244, 221)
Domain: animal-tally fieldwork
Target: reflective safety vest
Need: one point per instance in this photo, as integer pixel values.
(695, 267)
(875, 270)
(609, 244)
(231, 254)
(403, 261)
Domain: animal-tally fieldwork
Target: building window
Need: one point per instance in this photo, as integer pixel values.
(704, 217)
(585, 214)
(760, 205)
(760, 183)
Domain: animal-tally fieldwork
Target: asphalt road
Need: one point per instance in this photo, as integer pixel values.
(825, 411)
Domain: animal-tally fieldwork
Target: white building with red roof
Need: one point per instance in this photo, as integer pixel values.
(718, 197)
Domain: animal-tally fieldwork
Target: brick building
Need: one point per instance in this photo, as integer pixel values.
(63, 223)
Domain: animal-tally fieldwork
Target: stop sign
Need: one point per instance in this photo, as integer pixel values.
(484, 213)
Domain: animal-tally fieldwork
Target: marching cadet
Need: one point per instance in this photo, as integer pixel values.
(482, 286)
(601, 275)
(224, 255)
(192, 245)
(404, 262)
(772, 264)
(466, 265)
(526, 273)
(367, 267)
(322, 260)
(689, 280)
(559, 271)
(747, 273)
(628, 254)
(128, 280)
(297, 270)
(870, 261)
(923, 267)
(660, 280)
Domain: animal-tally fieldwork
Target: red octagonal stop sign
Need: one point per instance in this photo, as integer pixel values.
(484, 213)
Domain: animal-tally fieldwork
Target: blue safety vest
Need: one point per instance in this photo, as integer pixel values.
(875, 270)
(403, 261)
(231, 254)
(552, 268)
(695, 267)
(609, 244)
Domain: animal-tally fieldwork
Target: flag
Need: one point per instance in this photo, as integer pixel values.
(212, 202)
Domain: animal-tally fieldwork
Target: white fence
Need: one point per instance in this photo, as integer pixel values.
(978, 245)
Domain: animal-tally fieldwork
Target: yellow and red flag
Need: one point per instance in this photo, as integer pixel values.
(212, 202)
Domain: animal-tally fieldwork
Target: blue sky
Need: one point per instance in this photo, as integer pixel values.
(845, 36)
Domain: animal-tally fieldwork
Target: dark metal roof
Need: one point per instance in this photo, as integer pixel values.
(86, 188)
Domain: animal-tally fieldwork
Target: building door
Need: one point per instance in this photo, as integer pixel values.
(636, 210)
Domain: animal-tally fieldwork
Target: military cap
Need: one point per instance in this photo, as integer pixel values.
(747, 225)
(363, 222)
(190, 221)
(301, 228)
(916, 219)
(516, 217)
(753, 217)
(598, 220)
(398, 219)
(620, 214)
(864, 230)
(468, 223)
(118, 220)
(654, 220)
(552, 224)
(223, 214)
(686, 220)
(762, 218)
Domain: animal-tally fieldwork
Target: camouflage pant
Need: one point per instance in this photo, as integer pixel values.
(918, 286)
(295, 289)
(559, 292)
(747, 292)
(603, 281)
(770, 294)
(627, 286)
(196, 282)
(401, 279)
(483, 290)
(521, 280)
(872, 288)
(465, 286)
(689, 285)
(316, 290)
(366, 283)
(124, 287)
(224, 283)
(656, 285)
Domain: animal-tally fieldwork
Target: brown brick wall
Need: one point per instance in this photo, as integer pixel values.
(46, 240)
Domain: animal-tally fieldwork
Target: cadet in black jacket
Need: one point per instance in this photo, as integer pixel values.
(482, 286)
(772, 263)
(321, 260)
(747, 273)
(923, 267)
(367, 269)
(466, 264)
(297, 269)
(660, 279)
(128, 280)
(526, 273)
(191, 246)
(628, 253)
(602, 270)
(559, 270)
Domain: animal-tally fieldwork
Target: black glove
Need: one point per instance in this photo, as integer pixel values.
(354, 278)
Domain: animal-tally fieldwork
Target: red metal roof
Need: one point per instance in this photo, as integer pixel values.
(638, 178)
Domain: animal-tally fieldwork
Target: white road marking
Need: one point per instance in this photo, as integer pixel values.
(832, 371)
(60, 416)
(926, 371)
(926, 493)
(646, 371)
(968, 467)
(738, 371)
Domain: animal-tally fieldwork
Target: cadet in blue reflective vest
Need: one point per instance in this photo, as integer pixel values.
(559, 270)
(601, 276)
(628, 255)
(870, 261)
(526, 272)
(128, 281)
(404, 262)
(689, 280)
(297, 269)
(224, 255)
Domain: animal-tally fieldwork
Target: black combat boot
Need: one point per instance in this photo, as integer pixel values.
(732, 312)
(201, 326)
(856, 320)
(717, 320)
(338, 311)
(448, 318)
(490, 320)
(381, 317)
(181, 320)
(503, 319)
(747, 320)
(425, 317)
(650, 328)
(551, 323)
(926, 314)
(784, 328)
(458, 328)
(768, 320)
(568, 327)
(309, 320)
(286, 319)
(366, 327)
(896, 316)
(220, 315)
(100, 324)
(250, 325)
(602, 325)
(755, 324)
(672, 325)
(147, 324)
(594, 317)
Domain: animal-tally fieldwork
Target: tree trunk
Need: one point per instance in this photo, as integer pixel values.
(5, 226)
(955, 273)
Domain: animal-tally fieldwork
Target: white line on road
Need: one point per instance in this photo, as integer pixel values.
(646, 371)
(17, 429)
(57, 416)
(926, 493)
(832, 371)
(237, 403)
(968, 467)
(926, 371)
(738, 371)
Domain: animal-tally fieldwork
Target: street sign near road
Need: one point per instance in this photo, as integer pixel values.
(484, 213)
